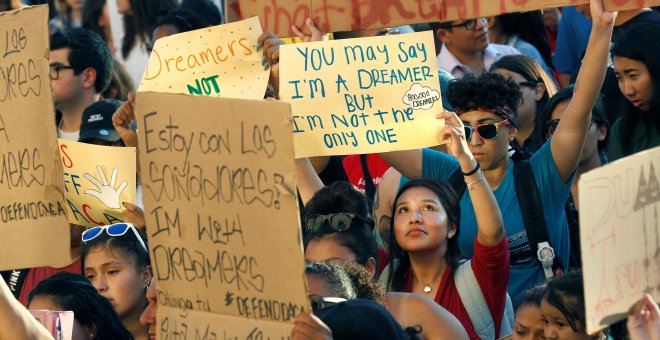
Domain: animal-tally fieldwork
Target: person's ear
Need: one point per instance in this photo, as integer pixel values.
(371, 266)
(602, 132)
(146, 276)
(539, 91)
(89, 77)
(513, 131)
(91, 330)
(444, 35)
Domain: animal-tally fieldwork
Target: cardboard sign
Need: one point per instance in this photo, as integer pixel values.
(33, 222)
(222, 219)
(620, 236)
(277, 16)
(219, 61)
(362, 95)
(97, 180)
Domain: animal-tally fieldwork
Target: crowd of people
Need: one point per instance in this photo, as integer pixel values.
(434, 243)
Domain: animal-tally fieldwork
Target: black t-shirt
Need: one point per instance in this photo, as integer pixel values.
(649, 17)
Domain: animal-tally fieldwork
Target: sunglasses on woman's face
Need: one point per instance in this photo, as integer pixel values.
(485, 131)
(118, 229)
(319, 302)
(338, 222)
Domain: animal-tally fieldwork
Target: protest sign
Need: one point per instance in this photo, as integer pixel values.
(219, 61)
(362, 95)
(97, 180)
(277, 16)
(34, 225)
(221, 210)
(620, 236)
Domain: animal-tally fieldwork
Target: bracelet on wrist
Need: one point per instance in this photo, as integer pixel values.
(470, 185)
(476, 168)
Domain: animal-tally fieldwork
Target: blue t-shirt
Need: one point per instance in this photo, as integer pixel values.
(526, 272)
(572, 39)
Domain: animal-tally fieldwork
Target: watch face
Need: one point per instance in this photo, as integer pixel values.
(546, 254)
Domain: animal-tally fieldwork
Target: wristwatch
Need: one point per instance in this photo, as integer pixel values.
(546, 255)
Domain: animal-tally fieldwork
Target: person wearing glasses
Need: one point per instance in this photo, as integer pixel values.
(536, 88)
(80, 69)
(465, 47)
(487, 106)
(115, 259)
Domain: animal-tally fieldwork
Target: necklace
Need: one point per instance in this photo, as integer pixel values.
(428, 288)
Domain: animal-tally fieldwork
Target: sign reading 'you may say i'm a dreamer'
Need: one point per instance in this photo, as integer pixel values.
(362, 95)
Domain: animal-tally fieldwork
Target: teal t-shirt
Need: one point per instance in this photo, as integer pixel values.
(526, 271)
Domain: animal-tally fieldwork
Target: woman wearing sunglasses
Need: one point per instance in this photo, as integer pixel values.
(115, 259)
(487, 107)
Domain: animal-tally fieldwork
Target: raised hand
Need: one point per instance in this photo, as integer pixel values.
(455, 131)
(270, 44)
(599, 15)
(107, 193)
(124, 122)
(317, 34)
(644, 320)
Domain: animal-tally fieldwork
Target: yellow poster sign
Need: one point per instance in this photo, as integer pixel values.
(220, 61)
(97, 180)
(362, 95)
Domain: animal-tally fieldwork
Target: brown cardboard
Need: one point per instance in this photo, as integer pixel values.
(33, 223)
(222, 219)
(277, 16)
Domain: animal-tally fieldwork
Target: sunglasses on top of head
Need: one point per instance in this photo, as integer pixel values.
(485, 131)
(117, 229)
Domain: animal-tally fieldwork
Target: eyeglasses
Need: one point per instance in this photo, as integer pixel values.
(485, 131)
(320, 302)
(470, 24)
(56, 68)
(389, 31)
(118, 229)
(551, 126)
(528, 84)
(338, 222)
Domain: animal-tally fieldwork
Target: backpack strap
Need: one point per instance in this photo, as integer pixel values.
(476, 306)
(369, 186)
(529, 200)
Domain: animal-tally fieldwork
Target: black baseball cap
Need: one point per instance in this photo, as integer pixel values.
(97, 121)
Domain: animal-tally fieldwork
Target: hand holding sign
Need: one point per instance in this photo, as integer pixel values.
(107, 193)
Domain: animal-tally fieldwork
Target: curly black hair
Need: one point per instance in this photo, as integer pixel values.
(490, 91)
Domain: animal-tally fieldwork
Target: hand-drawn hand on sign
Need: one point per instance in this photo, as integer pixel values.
(107, 193)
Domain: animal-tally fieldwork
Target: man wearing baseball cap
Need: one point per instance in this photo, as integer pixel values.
(96, 126)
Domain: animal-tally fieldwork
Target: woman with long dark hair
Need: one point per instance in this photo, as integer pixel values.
(637, 69)
(536, 88)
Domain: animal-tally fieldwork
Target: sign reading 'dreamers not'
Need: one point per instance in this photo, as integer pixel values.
(362, 95)
(97, 180)
(277, 16)
(620, 236)
(33, 224)
(222, 219)
(219, 61)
